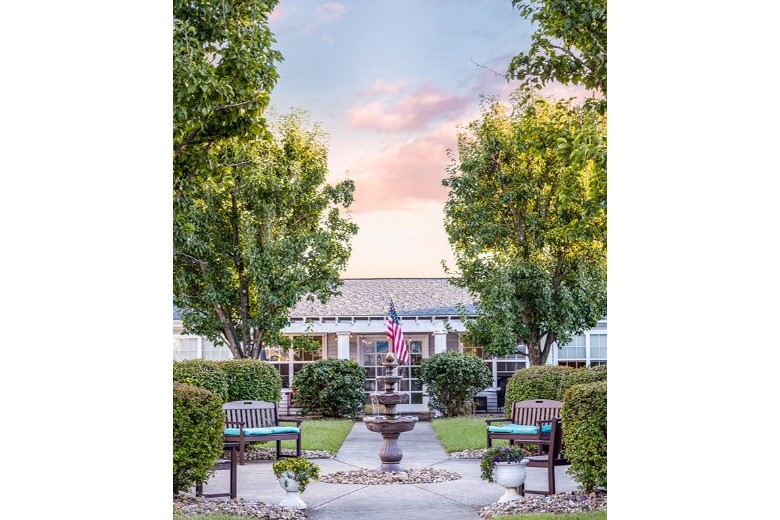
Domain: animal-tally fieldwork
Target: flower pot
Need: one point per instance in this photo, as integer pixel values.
(290, 484)
(510, 475)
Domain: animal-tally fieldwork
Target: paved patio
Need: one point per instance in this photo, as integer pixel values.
(454, 500)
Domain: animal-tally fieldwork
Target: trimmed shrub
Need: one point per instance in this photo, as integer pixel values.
(251, 380)
(198, 422)
(548, 382)
(330, 387)
(584, 422)
(453, 379)
(203, 374)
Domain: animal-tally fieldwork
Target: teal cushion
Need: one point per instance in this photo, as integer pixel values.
(270, 430)
(519, 428)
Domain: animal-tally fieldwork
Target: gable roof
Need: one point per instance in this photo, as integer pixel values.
(371, 297)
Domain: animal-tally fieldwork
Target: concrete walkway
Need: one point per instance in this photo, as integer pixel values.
(454, 500)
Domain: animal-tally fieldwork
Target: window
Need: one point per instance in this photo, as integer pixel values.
(214, 353)
(185, 347)
(290, 361)
(584, 350)
(598, 349)
(372, 356)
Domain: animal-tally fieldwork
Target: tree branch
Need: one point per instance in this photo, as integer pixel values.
(487, 68)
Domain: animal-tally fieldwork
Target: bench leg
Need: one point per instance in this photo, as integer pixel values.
(233, 473)
(278, 450)
(298, 450)
(241, 451)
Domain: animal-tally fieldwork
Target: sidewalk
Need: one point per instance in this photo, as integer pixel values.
(455, 500)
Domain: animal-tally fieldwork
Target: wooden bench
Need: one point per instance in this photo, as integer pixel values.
(535, 414)
(258, 421)
(541, 417)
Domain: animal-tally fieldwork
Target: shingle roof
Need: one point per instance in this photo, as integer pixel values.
(371, 297)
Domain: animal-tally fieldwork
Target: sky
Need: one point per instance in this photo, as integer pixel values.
(390, 82)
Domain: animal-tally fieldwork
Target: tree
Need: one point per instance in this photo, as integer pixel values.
(223, 73)
(257, 235)
(526, 226)
(569, 44)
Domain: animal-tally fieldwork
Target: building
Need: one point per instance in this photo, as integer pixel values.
(352, 326)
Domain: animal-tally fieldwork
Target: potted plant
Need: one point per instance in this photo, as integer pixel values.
(294, 474)
(507, 467)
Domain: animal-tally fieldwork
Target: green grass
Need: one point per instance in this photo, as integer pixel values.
(319, 434)
(586, 515)
(462, 433)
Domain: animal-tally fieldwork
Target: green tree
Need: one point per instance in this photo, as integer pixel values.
(569, 44)
(223, 73)
(526, 226)
(258, 235)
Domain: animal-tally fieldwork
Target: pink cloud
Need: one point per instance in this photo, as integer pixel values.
(407, 172)
(380, 86)
(412, 112)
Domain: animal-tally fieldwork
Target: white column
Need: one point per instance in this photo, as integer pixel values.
(440, 342)
(343, 345)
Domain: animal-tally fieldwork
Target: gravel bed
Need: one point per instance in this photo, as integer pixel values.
(256, 453)
(569, 502)
(477, 454)
(189, 506)
(467, 454)
(372, 477)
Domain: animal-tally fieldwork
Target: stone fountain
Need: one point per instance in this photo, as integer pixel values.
(390, 425)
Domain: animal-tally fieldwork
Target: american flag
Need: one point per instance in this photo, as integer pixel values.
(396, 336)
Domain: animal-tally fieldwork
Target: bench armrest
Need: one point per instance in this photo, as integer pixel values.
(296, 421)
(503, 419)
(239, 423)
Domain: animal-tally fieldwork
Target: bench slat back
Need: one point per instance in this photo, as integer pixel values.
(254, 414)
(528, 412)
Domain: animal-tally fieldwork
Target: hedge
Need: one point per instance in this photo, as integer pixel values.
(330, 387)
(203, 374)
(198, 422)
(548, 382)
(251, 380)
(584, 422)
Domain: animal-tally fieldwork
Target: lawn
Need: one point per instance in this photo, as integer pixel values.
(319, 434)
(463, 433)
(587, 515)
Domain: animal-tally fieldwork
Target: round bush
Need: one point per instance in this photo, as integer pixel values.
(251, 380)
(584, 422)
(330, 387)
(453, 379)
(203, 374)
(198, 422)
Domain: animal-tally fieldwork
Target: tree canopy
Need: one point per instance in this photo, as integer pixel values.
(261, 232)
(569, 44)
(527, 223)
(223, 73)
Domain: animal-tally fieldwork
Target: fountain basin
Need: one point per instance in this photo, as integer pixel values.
(381, 424)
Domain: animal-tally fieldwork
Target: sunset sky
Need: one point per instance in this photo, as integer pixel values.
(390, 81)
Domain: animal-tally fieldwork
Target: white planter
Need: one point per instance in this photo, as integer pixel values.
(510, 475)
(289, 484)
